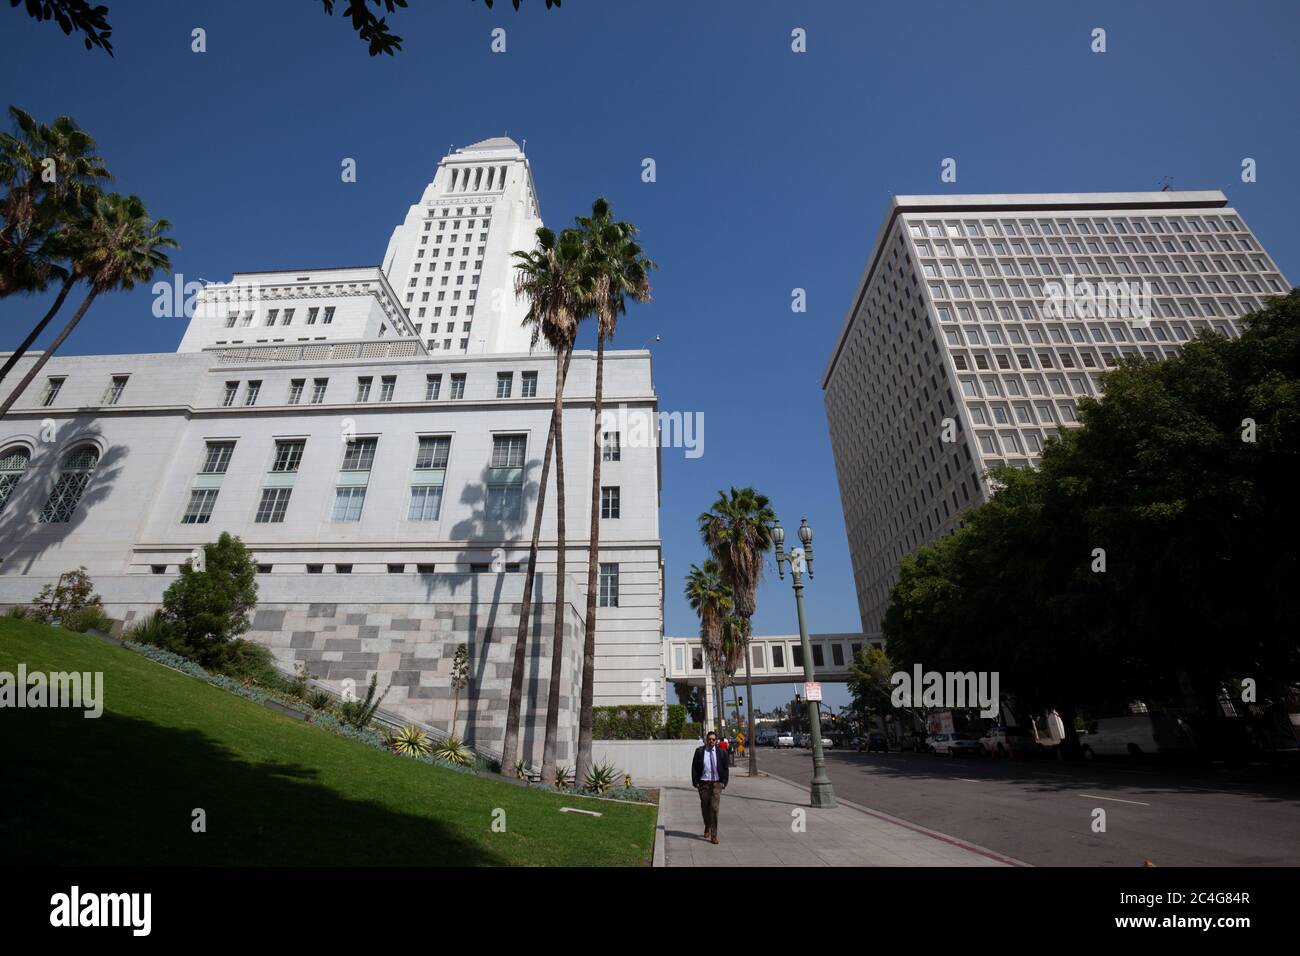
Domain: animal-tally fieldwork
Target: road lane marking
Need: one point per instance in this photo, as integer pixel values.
(1090, 796)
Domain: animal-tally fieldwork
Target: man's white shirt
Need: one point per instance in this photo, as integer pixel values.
(710, 772)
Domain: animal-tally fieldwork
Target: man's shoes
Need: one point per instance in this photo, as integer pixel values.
(707, 833)
(714, 838)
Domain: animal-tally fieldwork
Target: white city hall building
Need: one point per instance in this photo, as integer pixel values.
(980, 321)
(375, 436)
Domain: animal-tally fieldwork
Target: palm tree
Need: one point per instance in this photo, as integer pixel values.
(733, 648)
(710, 598)
(738, 531)
(117, 246)
(615, 270)
(52, 179)
(550, 278)
(51, 175)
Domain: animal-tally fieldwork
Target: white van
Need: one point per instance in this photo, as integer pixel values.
(1136, 735)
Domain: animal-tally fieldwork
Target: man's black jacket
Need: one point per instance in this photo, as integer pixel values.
(697, 765)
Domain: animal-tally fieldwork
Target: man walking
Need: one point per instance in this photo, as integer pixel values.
(709, 776)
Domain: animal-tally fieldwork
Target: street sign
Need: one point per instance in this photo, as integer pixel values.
(812, 690)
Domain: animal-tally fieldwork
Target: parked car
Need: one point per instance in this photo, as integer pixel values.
(954, 745)
(1000, 741)
(765, 738)
(784, 739)
(1135, 735)
(873, 743)
(914, 742)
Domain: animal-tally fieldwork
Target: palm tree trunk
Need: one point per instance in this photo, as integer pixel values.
(19, 352)
(49, 352)
(750, 749)
(593, 569)
(510, 744)
(557, 644)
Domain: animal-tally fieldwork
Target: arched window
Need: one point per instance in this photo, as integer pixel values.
(71, 484)
(12, 465)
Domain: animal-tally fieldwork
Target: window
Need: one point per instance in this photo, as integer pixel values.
(611, 448)
(199, 510)
(12, 466)
(113, 394)
(505, 383)
(608, 585)
(363, 388)
(609, 501)
(228, 398)
(216, 457)
(387, 385)
(360, 454)
(457, 383)
(329, 315)
(528, 385)
(433, 452)
(251, 392)
(288, 454)
(272, 507)
(342, 569)
(432, 385)
(311, 316)
(508, 451)
(347, 505)
(318, 390)
(315, 568)
(295, 390)
(52, 387)
(426, 503)
(397, 569)
(73, 478)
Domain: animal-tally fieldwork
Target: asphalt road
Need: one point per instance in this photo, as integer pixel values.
(1042, 812)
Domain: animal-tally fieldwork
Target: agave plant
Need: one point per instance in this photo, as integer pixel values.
(563, 777)
(319, 700)
(412, 741)
(453, 750)
(521, 769)
(601, 778)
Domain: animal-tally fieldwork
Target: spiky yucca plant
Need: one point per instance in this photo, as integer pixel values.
(453, 750)
(601, 778)
(521, 769)
(412, 742)
(563, 777)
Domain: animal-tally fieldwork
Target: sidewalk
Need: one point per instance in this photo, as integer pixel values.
(756, 827)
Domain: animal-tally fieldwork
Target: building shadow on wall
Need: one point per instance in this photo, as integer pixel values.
(23, 538)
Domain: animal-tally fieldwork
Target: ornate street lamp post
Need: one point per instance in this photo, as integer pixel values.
(821, 792)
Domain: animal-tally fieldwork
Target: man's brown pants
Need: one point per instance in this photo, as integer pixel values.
(710, 797)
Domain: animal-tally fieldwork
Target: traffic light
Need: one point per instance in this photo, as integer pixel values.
(740, 702)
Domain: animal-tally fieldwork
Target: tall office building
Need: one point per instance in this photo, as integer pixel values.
(979, 322)
(375, 436)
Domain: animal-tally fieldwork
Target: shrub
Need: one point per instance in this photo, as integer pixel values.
(208, 608)
(88, 618)
(411, 741)
(152, 630)
(563, 777)
(358, 713)
(318, 700)
(18, 612)
(453, 751)
(601, 778)
(676, 721)
(692, 732)
(73, 592)
(627, 722)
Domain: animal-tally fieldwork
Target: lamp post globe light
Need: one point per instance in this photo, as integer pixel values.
(821, 792)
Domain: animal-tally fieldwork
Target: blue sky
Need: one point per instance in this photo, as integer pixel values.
(773, 168)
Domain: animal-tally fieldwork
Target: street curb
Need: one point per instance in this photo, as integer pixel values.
(917, 828)
(660, 858)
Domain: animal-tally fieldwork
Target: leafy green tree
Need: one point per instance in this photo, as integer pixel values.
(208, 608)
(1151, 555)
(79, 16)
(63, 601)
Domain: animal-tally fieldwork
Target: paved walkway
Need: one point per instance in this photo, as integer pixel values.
(758, 826)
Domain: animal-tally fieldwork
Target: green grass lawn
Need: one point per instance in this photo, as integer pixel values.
(121, 789)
